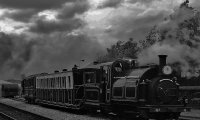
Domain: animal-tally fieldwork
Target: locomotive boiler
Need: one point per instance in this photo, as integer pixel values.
(149, 91)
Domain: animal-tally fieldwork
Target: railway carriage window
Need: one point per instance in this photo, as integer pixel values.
(64, 79)
(90, 77)
(63, 83)
(53, 81)
(60, 82)
(117, 92)
(130, 88)
(45, 83)
(130, 91)
(56, 82)
(49, 82)
(47, 79)
(36, 83)
(39, 83)
(69, 81)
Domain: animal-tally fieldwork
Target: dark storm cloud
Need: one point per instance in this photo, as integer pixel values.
(134, 27)
(20, 15)
(35, 4)
(24, 10)
(43, 26)
(110, 3)
(72, 8)
(142, 1)
(116, 3)
(66, 20)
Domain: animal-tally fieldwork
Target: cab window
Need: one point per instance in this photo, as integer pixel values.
(90, 77)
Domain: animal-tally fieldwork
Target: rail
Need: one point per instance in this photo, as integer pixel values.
(19, 114)
(188, 118)
(7, 117)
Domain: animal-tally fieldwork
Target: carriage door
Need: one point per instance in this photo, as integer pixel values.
(91, 86)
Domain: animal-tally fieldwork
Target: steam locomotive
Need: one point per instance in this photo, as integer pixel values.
(149, 91)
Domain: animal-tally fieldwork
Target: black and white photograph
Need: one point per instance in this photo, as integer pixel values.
(99, 59)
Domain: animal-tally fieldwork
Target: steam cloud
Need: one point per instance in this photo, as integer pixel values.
(179, 40)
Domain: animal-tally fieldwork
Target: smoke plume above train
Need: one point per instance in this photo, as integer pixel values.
(178, 37)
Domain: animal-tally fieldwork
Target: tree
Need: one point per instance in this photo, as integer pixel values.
(152, 37)
(121, 49)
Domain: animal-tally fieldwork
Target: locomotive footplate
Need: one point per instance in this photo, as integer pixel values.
(153, 109)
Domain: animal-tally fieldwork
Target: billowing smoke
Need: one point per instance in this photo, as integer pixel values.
(15, 53)
(20, 55)
(61, 51)
(179, 38)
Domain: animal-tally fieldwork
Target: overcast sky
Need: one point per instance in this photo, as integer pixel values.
(56, 34)
(113, 19)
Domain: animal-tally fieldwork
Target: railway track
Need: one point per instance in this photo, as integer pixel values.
(12, 113)
(115, 117)
(3, 116)
(188, 118)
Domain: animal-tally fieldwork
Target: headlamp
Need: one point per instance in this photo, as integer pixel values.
(167, 70)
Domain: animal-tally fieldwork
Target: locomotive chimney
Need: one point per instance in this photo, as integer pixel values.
(162, 60)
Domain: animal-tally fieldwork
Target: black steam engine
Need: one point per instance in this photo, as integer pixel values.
(149, 91)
